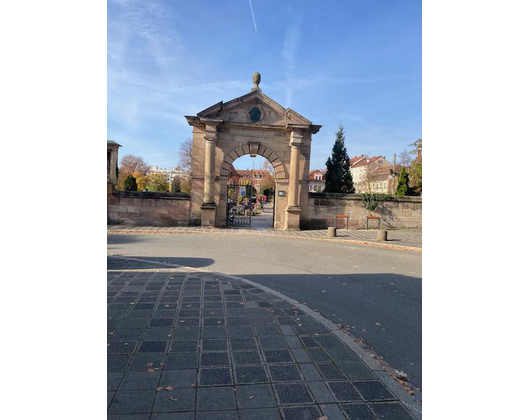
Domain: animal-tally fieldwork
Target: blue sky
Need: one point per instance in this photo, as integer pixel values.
(355, 62)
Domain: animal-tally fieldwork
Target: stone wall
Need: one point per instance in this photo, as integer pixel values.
(148, 208)
(400, 212)
(168, 209)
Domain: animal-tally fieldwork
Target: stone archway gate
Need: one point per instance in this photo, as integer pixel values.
(252, 124)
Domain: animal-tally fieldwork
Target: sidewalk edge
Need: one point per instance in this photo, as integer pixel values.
(212, 231)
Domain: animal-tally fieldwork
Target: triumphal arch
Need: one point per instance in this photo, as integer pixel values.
(252, 124)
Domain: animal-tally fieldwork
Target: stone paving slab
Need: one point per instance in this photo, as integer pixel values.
(399, 238)
(189, 344)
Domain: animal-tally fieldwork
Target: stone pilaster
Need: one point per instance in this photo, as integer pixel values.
(112, 175)
(293, 202)
(208, 205)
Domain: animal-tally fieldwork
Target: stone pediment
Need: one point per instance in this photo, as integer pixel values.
(238, 111)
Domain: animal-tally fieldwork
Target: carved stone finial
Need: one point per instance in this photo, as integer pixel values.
(256, 79)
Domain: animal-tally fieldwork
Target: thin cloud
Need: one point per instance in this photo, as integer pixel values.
(253, 18)
(150, 22)
(138, 29)
(290, 44)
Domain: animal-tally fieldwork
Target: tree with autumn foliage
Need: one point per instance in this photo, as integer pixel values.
(157, 182)
(134, 166)
(415, 168)
(269, 182)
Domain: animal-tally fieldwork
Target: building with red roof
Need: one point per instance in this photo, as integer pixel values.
(317, 181)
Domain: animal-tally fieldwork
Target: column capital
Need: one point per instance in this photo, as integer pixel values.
(210, 128)
(295, 146)
(296, 138)
(210, 132)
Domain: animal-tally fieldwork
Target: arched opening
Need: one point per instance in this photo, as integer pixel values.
(250, 185)
(257, 125)
(250, 193)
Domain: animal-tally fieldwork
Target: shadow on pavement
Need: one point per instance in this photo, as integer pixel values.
(384, 309)
(125, 239)
(153, 262)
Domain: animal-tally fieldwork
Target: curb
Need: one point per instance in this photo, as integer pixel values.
(411, 403)
(212, 231)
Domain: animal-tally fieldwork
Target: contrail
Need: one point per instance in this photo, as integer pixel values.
(253, 18)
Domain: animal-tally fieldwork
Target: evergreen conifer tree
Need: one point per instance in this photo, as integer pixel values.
(338, 176)
(130, 184)
(403, 183)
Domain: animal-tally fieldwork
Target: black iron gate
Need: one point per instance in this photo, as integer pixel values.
(239, 205)
(273, 196)
(270, 195)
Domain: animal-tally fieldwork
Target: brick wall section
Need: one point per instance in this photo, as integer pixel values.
(401, 212)
(148, 209)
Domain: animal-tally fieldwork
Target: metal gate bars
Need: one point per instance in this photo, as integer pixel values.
(239, 205)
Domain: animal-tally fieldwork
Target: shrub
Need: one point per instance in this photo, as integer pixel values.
(130, 184)
(371, 202)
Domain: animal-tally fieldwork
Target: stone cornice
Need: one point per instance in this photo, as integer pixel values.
(192, 120)
(211, 121)
(253, 126)
(112, 143)
(313, 128)
(201, 122)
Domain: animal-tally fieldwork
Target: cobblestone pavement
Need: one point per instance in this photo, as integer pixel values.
(398, 237)
(185, 344)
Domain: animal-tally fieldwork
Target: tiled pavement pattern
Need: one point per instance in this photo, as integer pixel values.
(399, 237)
(193, 346)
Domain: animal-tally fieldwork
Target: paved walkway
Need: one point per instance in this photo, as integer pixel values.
(264, 219)
(185, 344)
(396, 238)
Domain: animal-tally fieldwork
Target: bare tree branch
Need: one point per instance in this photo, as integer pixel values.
(185, 155)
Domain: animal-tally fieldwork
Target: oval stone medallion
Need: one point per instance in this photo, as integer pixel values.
(255, 114)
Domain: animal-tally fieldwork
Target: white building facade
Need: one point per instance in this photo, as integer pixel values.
(372, 174)
(170, 174)
(316, 181)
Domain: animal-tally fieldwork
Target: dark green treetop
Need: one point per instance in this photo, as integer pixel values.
(403, 188)
(130, 184)
(338, 176)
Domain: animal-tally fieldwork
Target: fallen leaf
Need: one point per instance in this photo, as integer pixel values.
(252, 396)
(173, 399)
(169, 388)
(151, 370)
(159, 389)
(150, 364)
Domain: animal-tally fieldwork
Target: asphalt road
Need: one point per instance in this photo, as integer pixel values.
(375, 291)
